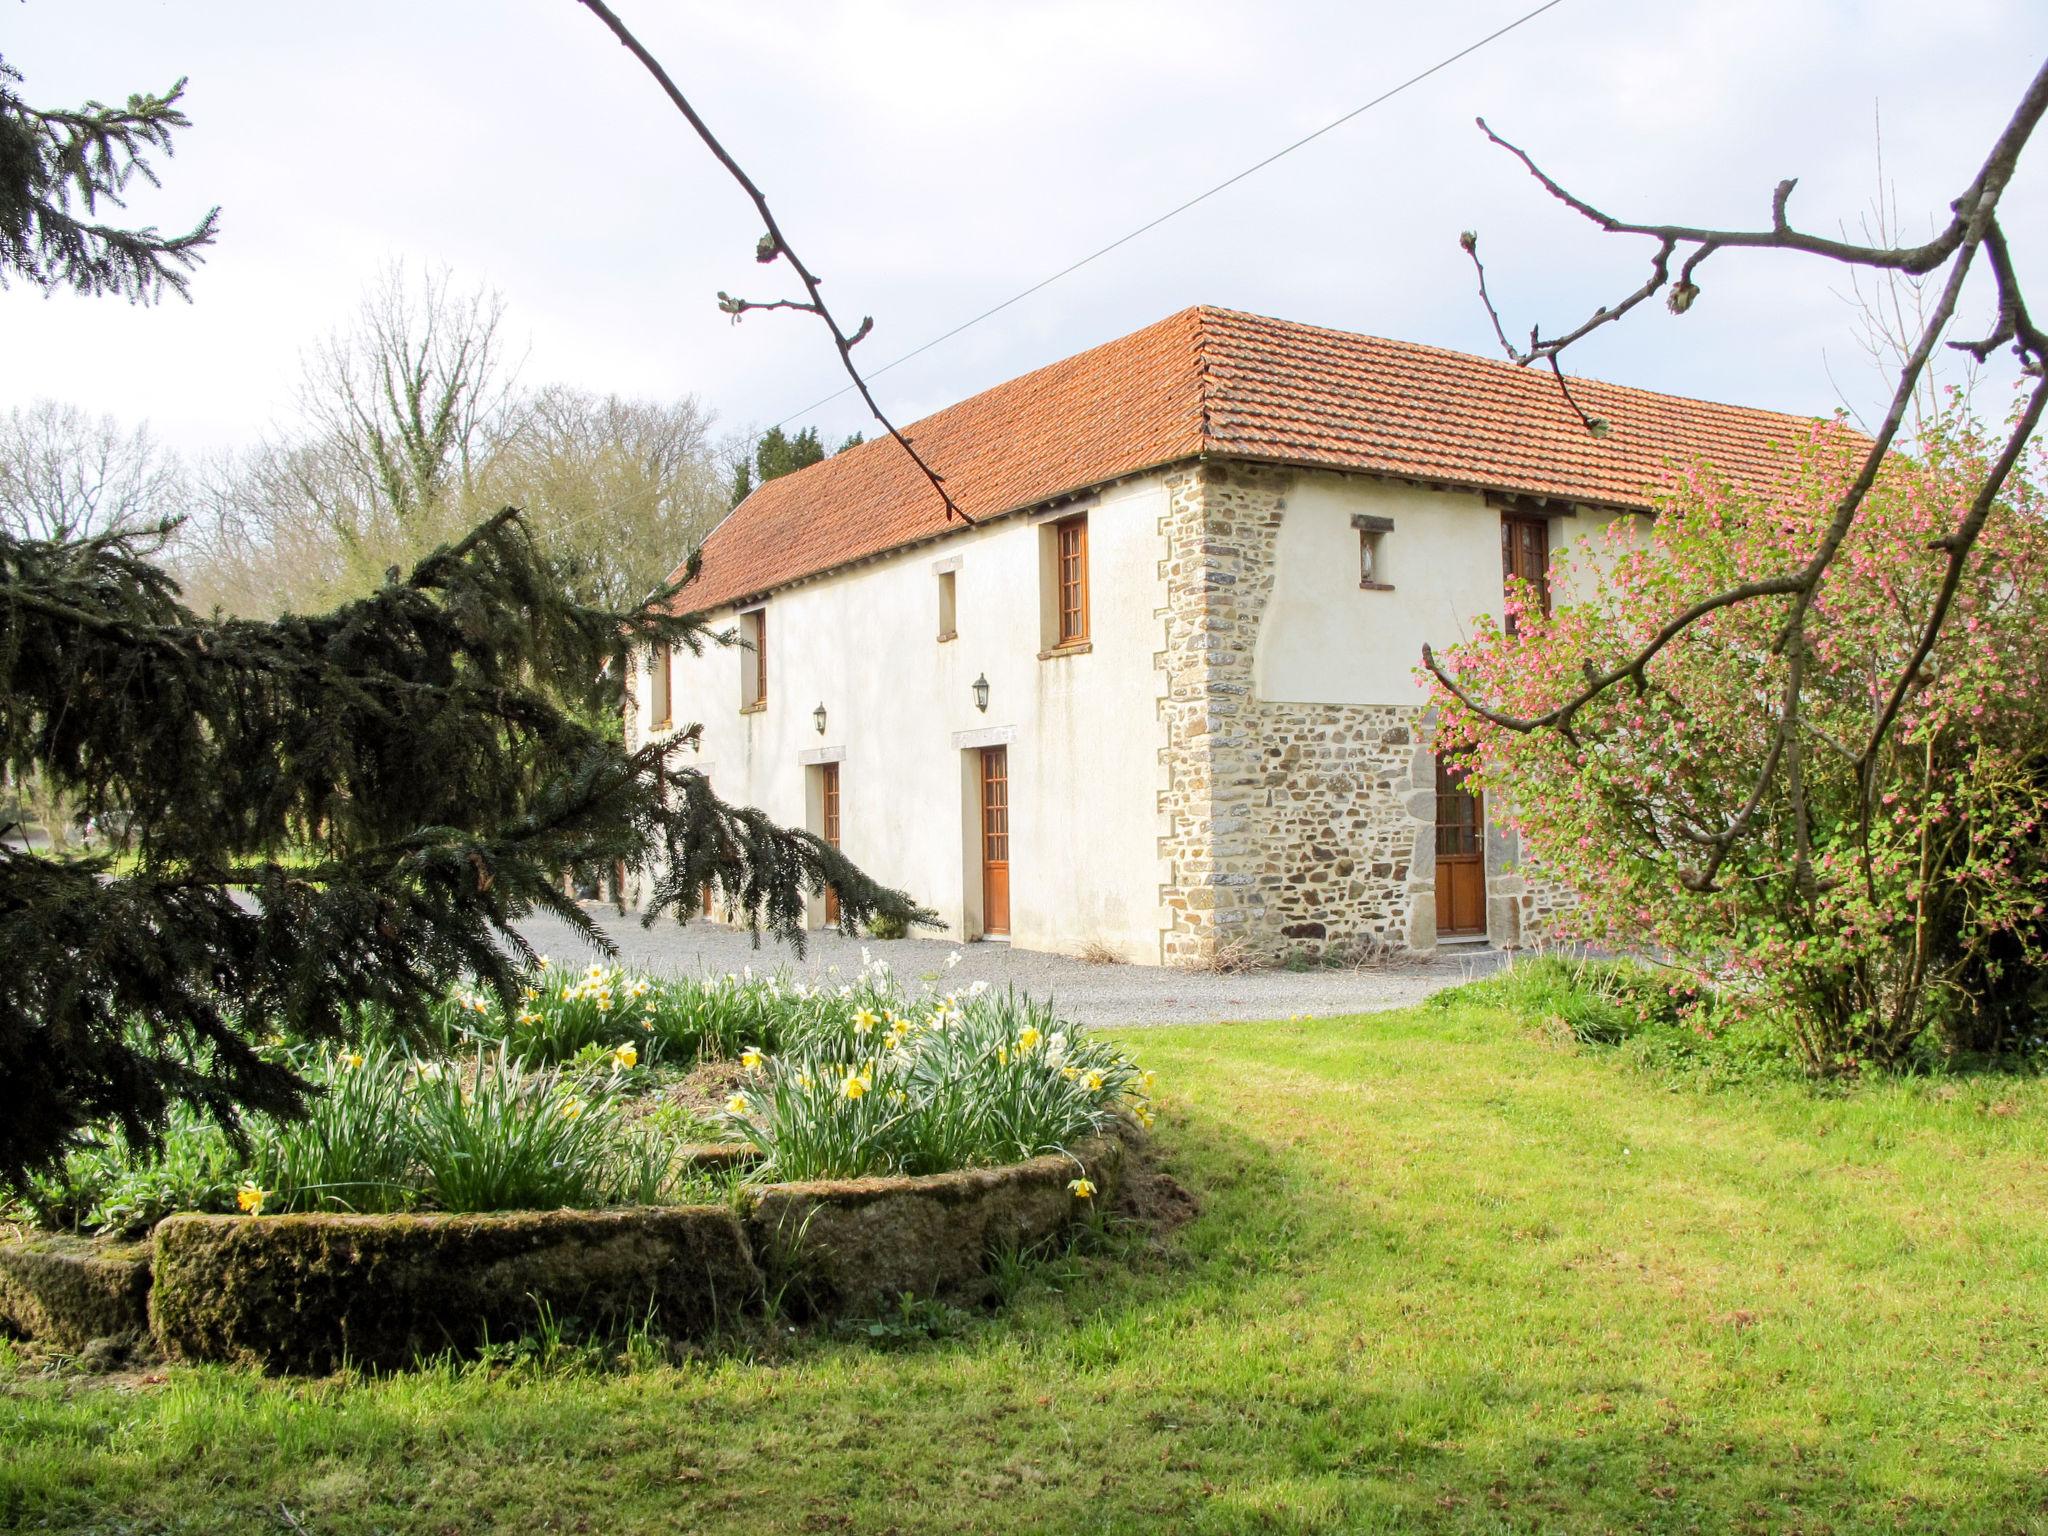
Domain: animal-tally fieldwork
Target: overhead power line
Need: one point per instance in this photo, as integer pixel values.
(1201, 197)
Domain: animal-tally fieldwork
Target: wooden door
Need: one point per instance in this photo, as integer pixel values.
(995, 840)
(1460, 856)
(828, 807)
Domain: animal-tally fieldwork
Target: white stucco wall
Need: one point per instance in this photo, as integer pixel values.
(1084, 734)
(1324, 640)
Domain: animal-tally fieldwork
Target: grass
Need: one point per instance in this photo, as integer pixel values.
(1455, 1273)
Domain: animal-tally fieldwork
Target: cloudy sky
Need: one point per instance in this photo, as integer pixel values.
(931, 159)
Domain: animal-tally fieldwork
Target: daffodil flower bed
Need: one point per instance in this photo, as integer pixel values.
(561, 1096)
(959, 1081)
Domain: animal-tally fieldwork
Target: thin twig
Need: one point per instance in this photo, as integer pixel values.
(775, 246)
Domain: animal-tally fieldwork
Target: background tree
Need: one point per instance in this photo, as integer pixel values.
(617, 491)
(63, 475)
(410, 427)
(777, 453)
(326, 814)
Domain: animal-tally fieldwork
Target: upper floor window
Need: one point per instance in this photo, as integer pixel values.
(661, 712)
(1372, 553)
(754, 659)
(1070, 575)
(948, 617)
(1525, 555)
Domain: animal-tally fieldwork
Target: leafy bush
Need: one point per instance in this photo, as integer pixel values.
(107, 1186)
(1863, 893)
(1658, 1019)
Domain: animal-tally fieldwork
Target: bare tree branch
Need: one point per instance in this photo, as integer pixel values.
(775, 246)
(1973, 225)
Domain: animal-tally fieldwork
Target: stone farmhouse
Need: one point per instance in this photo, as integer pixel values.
(1162, 697)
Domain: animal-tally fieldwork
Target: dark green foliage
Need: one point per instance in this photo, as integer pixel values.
(58, 167)
(323, 815)
(776, 453)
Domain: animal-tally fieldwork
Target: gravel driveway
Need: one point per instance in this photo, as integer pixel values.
(1092, 994)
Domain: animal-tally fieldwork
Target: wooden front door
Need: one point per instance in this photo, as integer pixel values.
(995, 840)
(1460, 857)
(828, 808)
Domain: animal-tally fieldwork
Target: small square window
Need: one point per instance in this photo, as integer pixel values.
(1372, 551)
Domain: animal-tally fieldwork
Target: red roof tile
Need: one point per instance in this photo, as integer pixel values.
(1231, 385)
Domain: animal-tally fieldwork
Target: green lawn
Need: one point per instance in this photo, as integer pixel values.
(1450, 1276)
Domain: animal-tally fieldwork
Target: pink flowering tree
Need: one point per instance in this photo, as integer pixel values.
(1865, 904)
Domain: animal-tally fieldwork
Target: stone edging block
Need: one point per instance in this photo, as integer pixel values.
(72, 1290)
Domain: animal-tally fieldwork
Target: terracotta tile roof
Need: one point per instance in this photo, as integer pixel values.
(1218, 382)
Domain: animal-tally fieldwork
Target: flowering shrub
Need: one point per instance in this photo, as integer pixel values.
(908, 1085)
(1865, 909)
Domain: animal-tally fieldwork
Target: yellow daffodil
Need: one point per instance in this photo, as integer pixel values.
(250, 1199)
(528, 1016)
(751, 1059)
(353, 1061)
(737, 1104)
(544, 962)
(1092, 1082)
(854, 1086)
(1027, 1038)
(532, 996)
(803, 1080)
(1144, 1114)
(1070, 1073)
(572, 1109)
(1081, 1189)
(864, 1021)
(1145, 1080)
(627, 1057)
(1002, 1055)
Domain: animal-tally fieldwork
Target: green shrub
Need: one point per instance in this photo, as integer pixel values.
(104, 1187)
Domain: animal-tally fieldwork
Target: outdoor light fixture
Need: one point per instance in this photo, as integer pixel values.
(818, 717)
(981, 693)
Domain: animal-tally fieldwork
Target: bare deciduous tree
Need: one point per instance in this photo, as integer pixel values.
(65, 474)
(617, 491)
(1973, 232)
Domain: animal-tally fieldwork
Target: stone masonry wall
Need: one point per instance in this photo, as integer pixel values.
(1283, 827)
(1292, 828)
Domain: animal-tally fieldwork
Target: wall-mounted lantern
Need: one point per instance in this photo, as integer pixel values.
(818, 717)
(981, 693)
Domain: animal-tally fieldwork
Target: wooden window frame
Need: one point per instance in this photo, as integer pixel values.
(1070, 582)
(1513, 527)
(661, 688)
(754, 631)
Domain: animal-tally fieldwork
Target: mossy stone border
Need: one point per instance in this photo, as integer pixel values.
(312, 1292)
(73, 1290)
(308, 1293)
(853, 1245)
